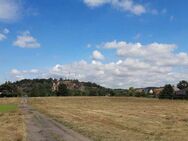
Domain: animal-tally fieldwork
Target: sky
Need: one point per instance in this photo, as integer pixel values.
(115, 43)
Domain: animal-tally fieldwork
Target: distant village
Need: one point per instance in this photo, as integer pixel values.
(155, 91)
(179, 92)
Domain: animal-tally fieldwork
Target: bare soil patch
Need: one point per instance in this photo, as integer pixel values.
(42, 128)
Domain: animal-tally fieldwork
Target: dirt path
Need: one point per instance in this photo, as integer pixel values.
(42, 128)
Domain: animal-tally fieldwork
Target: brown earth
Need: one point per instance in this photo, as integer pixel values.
(42, 128)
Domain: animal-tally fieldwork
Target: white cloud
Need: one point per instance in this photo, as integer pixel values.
(137, 65)
(25, 40)
(15, 72)
(97, 55)
(154, 60)
(161, 54)
(21, 74)
(2, 34)
(2, 37)
(125, 5)
(9, 10)
(94, 3)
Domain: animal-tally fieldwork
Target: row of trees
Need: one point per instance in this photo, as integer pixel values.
(36, 87)
(169, 93)
(43, 87)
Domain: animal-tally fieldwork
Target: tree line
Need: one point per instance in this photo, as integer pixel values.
(43, 88)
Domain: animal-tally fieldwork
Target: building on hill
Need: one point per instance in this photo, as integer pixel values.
(71, 84)
(55, 85)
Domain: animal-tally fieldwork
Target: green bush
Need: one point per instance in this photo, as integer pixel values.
(167, 92)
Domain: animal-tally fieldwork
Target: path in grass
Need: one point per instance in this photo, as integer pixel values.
(42, 128)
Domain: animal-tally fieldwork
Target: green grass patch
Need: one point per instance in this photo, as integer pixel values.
(8, 107)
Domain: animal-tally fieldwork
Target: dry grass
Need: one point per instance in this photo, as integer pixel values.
(120, 119)
(11, 121)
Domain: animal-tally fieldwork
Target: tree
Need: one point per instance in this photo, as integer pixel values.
(131, 91)
(8, 89)
(167, 92)
(186, 96)
(62, 90)
(182, 84)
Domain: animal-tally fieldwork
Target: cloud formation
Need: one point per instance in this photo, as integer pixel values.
(155, 53)
(6, 30)
(3, 34)
(10, 10)
(125, 5)
(2, 37)
(25, 40)
(97, 55)
(137, 65)
(21, 74)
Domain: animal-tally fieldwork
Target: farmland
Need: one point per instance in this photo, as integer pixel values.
(11, 120)
(109, 119)
(100, 118)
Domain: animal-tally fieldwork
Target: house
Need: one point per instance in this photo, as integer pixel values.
(157, 91)
(153, 91)
(175, 88)
(181, 94)
(139, 90)
(149, 90)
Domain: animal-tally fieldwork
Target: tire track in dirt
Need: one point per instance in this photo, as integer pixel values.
(42, 128)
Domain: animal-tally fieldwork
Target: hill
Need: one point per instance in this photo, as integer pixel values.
(52, 87)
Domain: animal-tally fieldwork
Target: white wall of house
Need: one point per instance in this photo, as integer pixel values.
(150, 91)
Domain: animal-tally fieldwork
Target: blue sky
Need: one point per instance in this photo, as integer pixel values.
(116, 43)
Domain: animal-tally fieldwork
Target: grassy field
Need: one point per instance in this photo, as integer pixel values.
(11, 120)
(120, 119)
(8, 107)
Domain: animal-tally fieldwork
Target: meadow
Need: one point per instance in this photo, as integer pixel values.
(8, 107)
(11, 120)
(119, 118)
